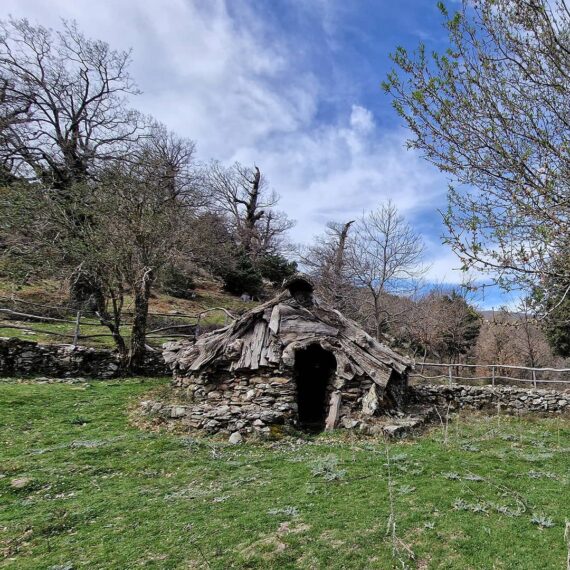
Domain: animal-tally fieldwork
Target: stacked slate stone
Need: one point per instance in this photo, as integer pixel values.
(27, 358)
(506, 398)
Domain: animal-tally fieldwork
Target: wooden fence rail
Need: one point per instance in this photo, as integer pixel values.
(80, 320)
(494, 375)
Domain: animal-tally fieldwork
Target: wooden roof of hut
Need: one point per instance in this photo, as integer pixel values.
(269, 335)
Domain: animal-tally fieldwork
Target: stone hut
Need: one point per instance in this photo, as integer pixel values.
(292, 361)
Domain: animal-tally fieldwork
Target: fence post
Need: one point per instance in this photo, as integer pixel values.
(77, 329)
(450, 375)
(493, 375)
(534, 377)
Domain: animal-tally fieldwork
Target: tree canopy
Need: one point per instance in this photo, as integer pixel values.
(492, 112)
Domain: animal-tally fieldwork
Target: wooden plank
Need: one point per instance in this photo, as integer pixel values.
(378, 371)
(334, 409)
(245, 358)
(296, 327)
(274, 319)
(257, 342)
(274, 352)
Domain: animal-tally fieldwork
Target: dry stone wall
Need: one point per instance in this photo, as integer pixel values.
(509, 399)
(26, 358)
(252, 404)
(244, 402)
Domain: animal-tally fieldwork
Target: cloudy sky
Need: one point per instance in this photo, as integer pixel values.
(292, 85)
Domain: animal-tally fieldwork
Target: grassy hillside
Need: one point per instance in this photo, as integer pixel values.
(54, 294)
(81, 488)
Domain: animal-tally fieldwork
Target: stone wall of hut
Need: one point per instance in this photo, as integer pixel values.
(247, 402)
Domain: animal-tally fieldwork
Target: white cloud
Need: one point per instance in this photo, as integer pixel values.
(445, 267)
(201, 73)
(361, 119)
(336, 171)
(237, 89)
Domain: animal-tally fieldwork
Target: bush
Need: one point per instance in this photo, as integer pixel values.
(243, 277)
(276, 268)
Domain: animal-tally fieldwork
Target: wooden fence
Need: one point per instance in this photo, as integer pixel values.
(461, 373)
(82, 319)
(491, 373)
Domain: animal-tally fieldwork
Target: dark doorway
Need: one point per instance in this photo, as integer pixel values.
(314, 367)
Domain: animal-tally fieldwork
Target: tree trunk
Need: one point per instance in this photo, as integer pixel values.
(138, 331)
(112, 322)
(377, 319)
(253, 215)
(339, 266)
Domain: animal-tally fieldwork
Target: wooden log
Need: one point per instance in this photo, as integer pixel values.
(334, 409)
(295, 327)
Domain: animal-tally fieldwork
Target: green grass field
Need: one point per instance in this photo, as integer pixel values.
(96, 492)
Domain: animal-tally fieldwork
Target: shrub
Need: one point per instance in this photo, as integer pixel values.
(243, 277)
(276, 268)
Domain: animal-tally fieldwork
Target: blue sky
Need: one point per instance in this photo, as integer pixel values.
(292, 85)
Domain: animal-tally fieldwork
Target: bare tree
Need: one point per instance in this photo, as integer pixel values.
(495, 344)
(242, 194)
(384, 256)
(440, 325)
(71, 91)
(135, 221)
(325, 260)
(13, 110)
(144, 204)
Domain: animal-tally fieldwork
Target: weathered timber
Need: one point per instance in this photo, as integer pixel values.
(268, 340)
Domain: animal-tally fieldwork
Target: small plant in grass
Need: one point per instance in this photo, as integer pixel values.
(221, 499)
(215, 452)
(452, 476)
(541, 475)
(399, 547)
(406, 489)
(507, 511)
(473, 477)
(462, 505)
(190, 443)
(444, 425)
(398, 458)
(328, 469)
(536, 457)
(470, 447)
(79, 421)
(287, 511)
(542, 521)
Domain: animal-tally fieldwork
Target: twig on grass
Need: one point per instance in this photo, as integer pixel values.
(445, 425)
(397, 543)
(567, 539)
